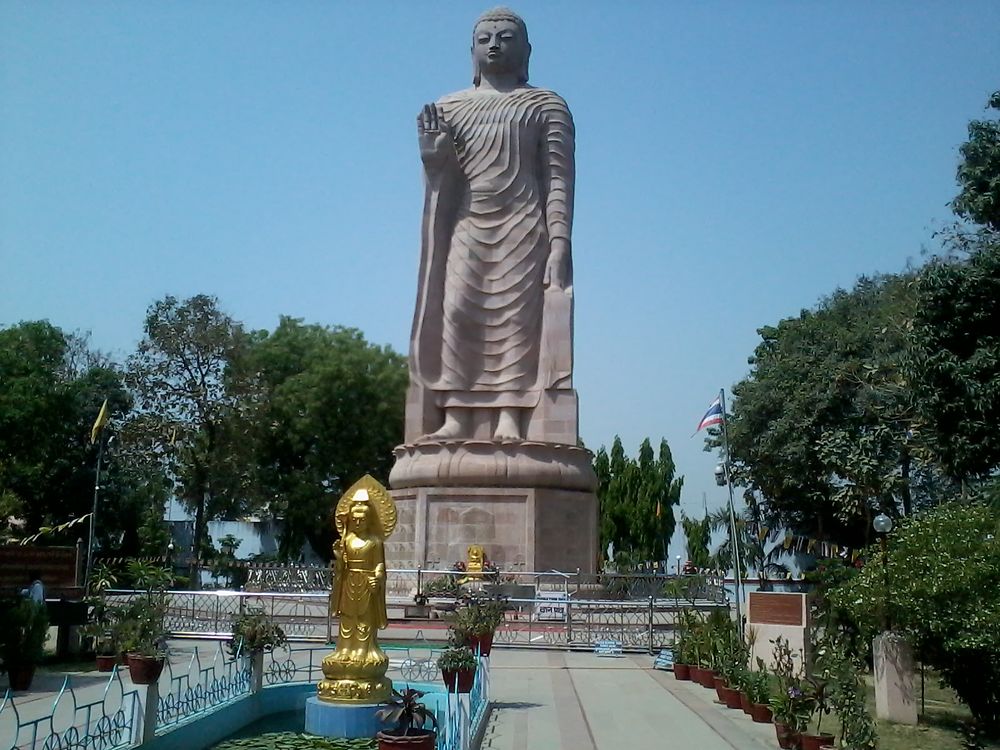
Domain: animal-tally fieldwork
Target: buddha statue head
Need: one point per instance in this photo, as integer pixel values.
(500, 45)
(362, 516)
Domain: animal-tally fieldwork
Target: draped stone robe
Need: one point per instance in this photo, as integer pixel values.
(479, 325)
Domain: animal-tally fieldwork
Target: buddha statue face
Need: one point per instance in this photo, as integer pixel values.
(500, 46)
(359, 516)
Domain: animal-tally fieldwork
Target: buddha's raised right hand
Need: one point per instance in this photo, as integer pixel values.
(437, 145)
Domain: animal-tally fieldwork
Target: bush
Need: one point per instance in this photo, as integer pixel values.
(944, 596)
(24, 626)
(254, 632)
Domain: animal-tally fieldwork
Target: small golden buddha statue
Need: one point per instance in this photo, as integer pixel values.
(355, 671)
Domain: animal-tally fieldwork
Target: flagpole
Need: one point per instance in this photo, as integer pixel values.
(93, 511)
(737, 561)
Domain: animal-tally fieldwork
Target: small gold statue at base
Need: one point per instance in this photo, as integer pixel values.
(474, 567)
(355, 671)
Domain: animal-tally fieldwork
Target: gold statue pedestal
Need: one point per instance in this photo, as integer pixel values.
(349, 681)
(354, 686)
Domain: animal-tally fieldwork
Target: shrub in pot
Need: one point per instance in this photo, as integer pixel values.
(477, 620)
(24, 626)
(101, 630)
(458, 668)
(790, 705)
(143, 622)
(254, 632)
(409, 718)
(757, 686)
(820, 706)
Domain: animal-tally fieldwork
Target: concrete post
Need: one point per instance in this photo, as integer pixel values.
(149, 699)
(894, 679)
(256, 671)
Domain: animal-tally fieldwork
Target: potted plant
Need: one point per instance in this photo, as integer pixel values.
(24, 626)
(790, 705)
(458, 668)
(476, 622)
(409, 718)
(146, 635)
(757, 684)
(107, 649)
(254, 632)
(820, 705)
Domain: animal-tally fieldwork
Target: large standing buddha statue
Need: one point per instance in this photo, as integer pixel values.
(491, 400)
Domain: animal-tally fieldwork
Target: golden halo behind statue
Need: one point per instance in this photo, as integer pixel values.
(378, 497)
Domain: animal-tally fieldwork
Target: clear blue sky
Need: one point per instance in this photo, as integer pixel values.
(736, 161)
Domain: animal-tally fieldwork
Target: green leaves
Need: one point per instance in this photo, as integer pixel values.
(979, 173)
(630, 491)
(943, 593)
(294, 741)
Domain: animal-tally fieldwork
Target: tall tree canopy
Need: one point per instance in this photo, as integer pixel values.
(637, 498)
(821, 427)
(331, 411)
(193, 399)
(51, 390)
(955, 355)
(979, 171)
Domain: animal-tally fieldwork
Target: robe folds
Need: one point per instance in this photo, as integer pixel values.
(489, 220)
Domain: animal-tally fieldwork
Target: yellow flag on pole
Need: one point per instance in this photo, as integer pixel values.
(102, 419)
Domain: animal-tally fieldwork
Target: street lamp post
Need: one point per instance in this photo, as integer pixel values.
(883, 525)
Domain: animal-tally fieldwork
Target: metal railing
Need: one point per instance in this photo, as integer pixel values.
(192, 686)
(104, 723)
(562, 622)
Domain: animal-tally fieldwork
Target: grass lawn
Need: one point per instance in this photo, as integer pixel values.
(939, 726)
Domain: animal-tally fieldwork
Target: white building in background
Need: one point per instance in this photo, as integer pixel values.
(258, 537)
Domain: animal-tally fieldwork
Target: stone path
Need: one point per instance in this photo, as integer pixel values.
(546, 700)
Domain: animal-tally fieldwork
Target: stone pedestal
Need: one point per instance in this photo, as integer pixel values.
(520, 528)
(531, 505)
(894, 679)
(348, 720)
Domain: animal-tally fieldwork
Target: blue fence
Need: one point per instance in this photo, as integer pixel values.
(122, 715)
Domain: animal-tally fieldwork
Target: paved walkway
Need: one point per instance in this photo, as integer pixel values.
(546, 700)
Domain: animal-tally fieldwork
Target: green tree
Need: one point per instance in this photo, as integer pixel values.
(821, 427)
(979, 172)
(193, 405)
(51, 389)
(637, 497)
(331, 411)
(941, 588)
(697, 538)
(955, 355)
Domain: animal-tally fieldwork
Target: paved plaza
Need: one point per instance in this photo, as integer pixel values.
(547, 700)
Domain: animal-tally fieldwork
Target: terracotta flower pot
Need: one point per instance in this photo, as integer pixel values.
(418, 739)
(731, 697)
(719, 684)
(706, 677)
(761, 713)
(20, 676)
(682, 671)
(481, 644)
(144, 670)
(107, 663)
(459, 680)
(745, 703)
(787, 738)
(815, 741)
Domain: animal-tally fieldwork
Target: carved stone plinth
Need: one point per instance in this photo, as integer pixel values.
(489, 463)
(520, 528)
